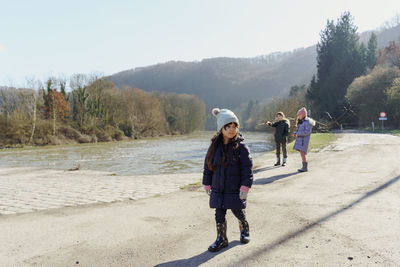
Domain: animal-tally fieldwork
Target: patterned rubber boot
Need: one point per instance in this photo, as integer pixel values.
(278, 161)
(221, 241)
(284, 162)
(244, 232)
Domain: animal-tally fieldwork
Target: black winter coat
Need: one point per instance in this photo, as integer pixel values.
(282, 131)
(226, 180)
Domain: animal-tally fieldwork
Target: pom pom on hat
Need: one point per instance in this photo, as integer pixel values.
(224, 116)
(215, 111)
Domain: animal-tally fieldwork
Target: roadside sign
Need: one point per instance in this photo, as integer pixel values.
(382, 117)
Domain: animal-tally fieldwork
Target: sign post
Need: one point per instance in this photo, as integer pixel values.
(382, 117)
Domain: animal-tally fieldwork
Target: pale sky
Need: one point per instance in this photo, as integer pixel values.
(41, 38)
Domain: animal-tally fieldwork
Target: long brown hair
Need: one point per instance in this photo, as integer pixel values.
(215, 141)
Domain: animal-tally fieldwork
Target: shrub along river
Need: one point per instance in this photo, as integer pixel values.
(169, 154)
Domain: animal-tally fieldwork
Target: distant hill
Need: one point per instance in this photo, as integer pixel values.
(225, 82)
(384, 36)
(230, 82)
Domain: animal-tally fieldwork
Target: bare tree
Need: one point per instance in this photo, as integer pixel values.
(393, 22)
(32, 84)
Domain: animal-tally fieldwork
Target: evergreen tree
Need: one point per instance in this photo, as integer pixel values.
(339, 60)
(372, 51)
(363, 54)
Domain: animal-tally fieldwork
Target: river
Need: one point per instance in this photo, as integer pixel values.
(169, 154)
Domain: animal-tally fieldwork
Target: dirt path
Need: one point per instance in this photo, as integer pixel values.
(344, 212)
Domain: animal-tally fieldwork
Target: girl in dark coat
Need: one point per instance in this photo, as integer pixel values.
(281, 132)
(228, 176)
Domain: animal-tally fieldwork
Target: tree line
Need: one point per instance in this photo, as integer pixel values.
(92, 110)
(355, 81)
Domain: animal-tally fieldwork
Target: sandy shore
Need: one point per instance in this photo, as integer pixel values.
(344, 212)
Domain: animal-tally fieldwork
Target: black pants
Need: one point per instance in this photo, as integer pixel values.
(278, 149)
(220, 215)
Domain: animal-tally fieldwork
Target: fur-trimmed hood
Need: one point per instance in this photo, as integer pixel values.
(287, 121)
(311, 121)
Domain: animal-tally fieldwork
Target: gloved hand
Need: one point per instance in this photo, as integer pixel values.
(243, 192)
(208, 189)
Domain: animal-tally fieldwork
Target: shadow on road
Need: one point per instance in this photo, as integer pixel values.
(198, 259)
(273, 178)
(293, 235)
(265, 169)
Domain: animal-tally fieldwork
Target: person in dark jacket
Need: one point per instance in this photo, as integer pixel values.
(228, 176)
(281, 126)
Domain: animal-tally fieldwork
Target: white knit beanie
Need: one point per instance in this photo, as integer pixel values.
(224, 116)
